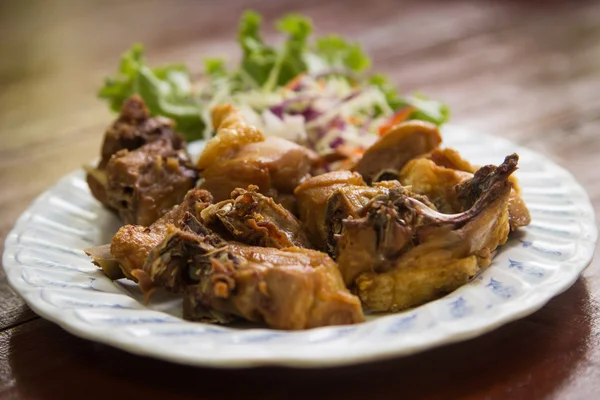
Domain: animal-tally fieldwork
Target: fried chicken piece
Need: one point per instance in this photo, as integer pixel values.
(144, 169)
(132, 243)
(312, 200)
(402, 253)
(252, 218)
(289, 288)
(436, 182)
(450, 158)
(405, 141)
(326, 200)
(146, 183)
(134, 128)
(233, 132)
(239, 156)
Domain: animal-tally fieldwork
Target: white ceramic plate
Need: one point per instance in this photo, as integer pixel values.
(46, 266)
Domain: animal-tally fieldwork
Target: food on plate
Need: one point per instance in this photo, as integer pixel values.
(319, 192)
(290, 288)
(437, 175)
(402, 143)
(401, 252)
(144, 170)
(239, 156)
(252, 218)
(313, 196)
(132, 243)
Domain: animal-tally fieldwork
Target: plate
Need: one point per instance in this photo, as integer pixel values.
(46, 266)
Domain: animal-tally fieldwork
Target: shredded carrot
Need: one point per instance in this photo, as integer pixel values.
(355, 120)
(293, 84)
(399, 116)
(349, 152)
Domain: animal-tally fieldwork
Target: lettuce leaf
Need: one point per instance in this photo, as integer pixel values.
(339, 53)
(425, 109)
(258, 59)
(166, 90)
(290, 60)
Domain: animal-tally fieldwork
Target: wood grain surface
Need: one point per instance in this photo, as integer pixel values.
(525, 70)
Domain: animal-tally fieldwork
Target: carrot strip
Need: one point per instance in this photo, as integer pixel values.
(293, 84)
(399, 116)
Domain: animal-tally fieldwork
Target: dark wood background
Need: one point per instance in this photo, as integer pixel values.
(525, 70)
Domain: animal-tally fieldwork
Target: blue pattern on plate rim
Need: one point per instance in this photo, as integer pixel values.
(460, 308)
(501, 289)
(529, 244)
(525, 268)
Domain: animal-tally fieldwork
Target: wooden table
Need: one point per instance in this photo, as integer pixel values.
(525, 70)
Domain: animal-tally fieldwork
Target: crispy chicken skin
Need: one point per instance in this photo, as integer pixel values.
(312, 199)
(144, 169)
(289, 288)
(392, 151)
(402, 253)
(239, 156)
(252, 218)
(233, 132)
(436, 182)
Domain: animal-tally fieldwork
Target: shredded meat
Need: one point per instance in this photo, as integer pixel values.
(132, 243)
(438, 174)
(252, 218)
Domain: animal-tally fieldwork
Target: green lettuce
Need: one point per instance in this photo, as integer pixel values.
(166, 90)
(424, 108)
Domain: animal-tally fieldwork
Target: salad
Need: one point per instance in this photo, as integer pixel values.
(317, 92)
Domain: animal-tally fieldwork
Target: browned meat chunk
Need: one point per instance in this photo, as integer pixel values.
(436, 182)
(132, 243)
(408, 140)
(250, 217)
(174, 262)
(239, 156)
(324, 201)
(402, 253)
(286, 288)
(134, 128)
(313, 196)
(144, 170)
(146, 183)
